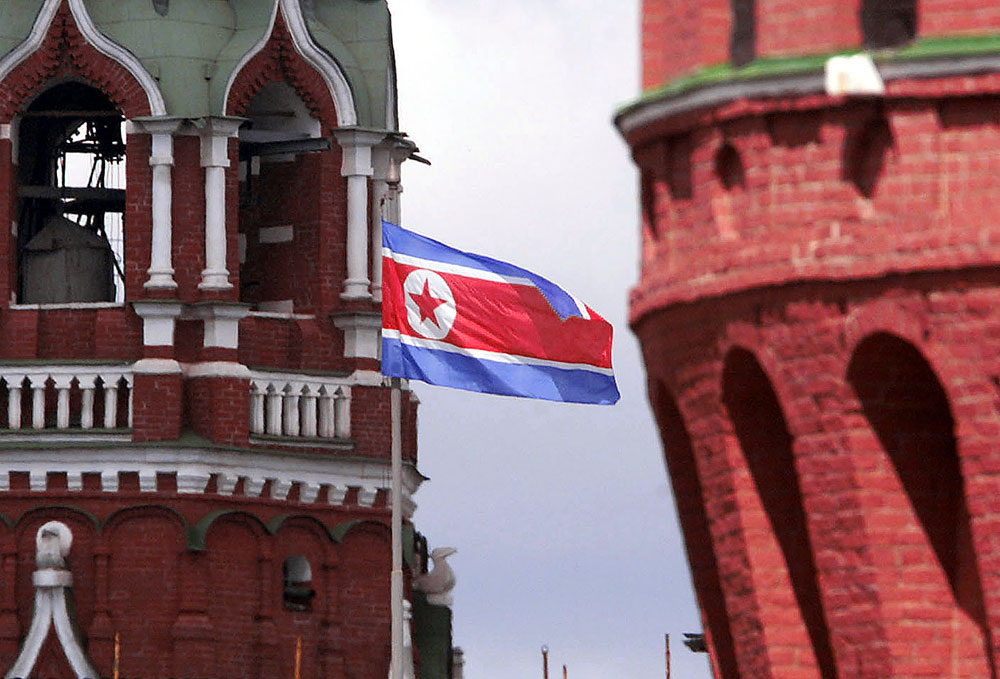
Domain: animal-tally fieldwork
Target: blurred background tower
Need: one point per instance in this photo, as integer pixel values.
(819, 314)
(189, 324)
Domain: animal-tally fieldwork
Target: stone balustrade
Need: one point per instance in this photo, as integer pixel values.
(299, 406)
(64, 397)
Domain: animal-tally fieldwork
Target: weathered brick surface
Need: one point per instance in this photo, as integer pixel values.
(818, 313)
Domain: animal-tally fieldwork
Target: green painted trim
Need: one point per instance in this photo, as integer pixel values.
(73, 508)
(7, 521)
(409, 548)
(198, 533)
(275, 524)
(338, 532)
(770, 67)
(170, 510)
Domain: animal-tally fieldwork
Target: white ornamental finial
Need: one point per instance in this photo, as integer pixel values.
(52, 579)
(437, 584)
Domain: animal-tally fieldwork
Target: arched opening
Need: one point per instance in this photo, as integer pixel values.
(71, 198)
(743, 41)
(888, 23)
(729, 167)
(909, 412)
(297, 578)
(761, 429)
(866, 155)
(689, 496)
(280, 201)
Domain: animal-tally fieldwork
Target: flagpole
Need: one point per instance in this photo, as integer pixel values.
(396, 579)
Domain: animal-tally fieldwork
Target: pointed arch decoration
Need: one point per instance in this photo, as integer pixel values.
(333, 76)
(97, 40)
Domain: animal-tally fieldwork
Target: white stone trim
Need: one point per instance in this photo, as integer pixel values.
(216, 369)
(97, 40)
(335, 79)
(156, 366)
(194, 468)
(51, 609)
(70, 305)
(362, 334)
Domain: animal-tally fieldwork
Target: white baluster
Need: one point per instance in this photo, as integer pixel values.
(131, 393)
(62, 385)
(342, 413)
(110, 402)
(291, 419)
(307, 406)
(14, 403)
(325, 413)
(256, 410)
(273, 411)
(38, 403)
(87, 386)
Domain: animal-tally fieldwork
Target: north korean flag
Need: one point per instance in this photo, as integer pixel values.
(461, 320)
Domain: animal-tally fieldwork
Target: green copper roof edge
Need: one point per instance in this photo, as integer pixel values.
(770, 67)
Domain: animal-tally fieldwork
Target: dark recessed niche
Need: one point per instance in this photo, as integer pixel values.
(729, 167)
(743, 41)
(888, 23)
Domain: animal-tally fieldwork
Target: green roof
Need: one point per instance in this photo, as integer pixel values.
(194, 49)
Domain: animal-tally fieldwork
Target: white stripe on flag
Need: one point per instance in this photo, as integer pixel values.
(485, 355)
(456, 269)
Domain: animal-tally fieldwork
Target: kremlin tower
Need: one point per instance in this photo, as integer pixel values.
(819, 312)
(194, 431)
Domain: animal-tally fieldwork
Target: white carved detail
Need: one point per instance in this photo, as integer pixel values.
(52, 579)
(437, 584)
(300, 406)
(114, 382)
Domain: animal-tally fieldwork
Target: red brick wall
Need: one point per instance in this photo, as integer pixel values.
(818, 313)
(218, 408)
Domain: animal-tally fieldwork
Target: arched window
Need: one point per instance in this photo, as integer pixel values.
(888, 23)
(866, 154)
(760, 426)
(71, 198)
(298, 590)
(689, 496)
(743, 41)
(729, 167)
(909, 413)
(281, 209)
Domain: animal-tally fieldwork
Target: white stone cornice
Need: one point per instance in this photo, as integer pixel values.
(194, 467)
(216, 369)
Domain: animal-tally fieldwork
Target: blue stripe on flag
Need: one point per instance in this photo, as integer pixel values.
(406, 242)
(448, 369)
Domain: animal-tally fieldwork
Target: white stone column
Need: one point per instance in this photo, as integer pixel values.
(215, 159)
(357, 167)
(161, 159)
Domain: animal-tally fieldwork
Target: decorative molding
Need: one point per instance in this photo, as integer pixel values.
(216, 369)
(334, 78)
(276, 472)
(95, 38)
(52, 610)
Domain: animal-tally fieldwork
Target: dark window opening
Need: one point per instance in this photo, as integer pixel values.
(866, 159)
(888, 23)
(743, 41)
(298, 591)
(729, 167)
(71, 198)
(280, 184)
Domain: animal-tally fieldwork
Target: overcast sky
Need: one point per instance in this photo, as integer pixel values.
(561, 514)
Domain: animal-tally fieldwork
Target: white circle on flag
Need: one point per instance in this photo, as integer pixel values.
(430, 306)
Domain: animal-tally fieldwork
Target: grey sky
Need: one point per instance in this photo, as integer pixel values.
(562, 514)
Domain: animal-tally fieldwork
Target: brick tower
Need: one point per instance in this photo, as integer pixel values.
(194, 433)
(819, 314)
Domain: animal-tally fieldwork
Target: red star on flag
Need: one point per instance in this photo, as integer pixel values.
(427, 303)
